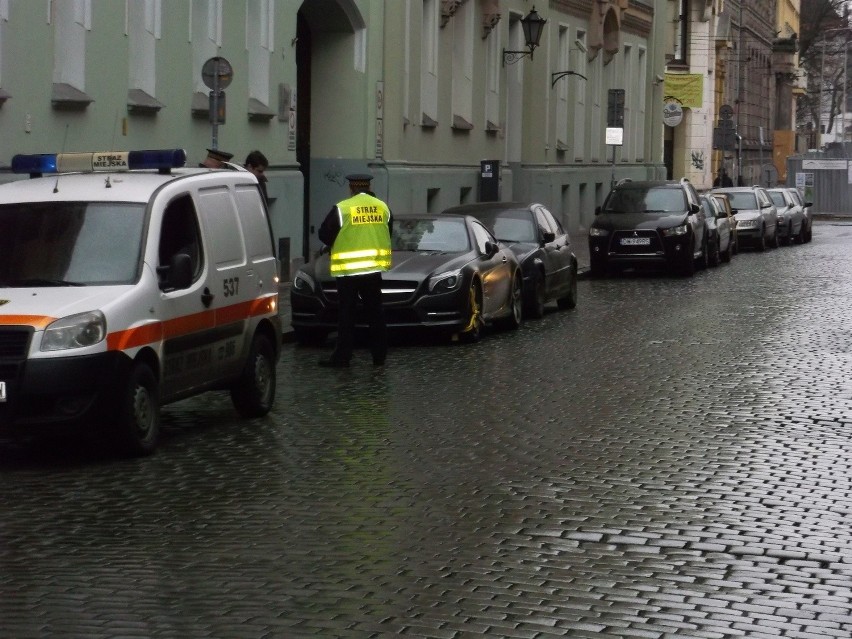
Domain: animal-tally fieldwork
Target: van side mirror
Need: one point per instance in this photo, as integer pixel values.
(548, 236)
(694, 208)
(491, 249)
(598, 210)
(178, 274)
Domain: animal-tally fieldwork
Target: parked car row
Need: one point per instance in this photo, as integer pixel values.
(472, 266)
(668, 224)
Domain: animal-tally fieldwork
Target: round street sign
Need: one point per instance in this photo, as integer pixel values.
(726, 112)
(217, 73)
(672, 114)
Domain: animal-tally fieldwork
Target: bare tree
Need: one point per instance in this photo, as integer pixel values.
(825, 33)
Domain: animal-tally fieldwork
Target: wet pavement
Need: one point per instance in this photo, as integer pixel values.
(670, 459)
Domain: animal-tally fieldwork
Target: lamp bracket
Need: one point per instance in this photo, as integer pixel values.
(561, 74)
(511, 57)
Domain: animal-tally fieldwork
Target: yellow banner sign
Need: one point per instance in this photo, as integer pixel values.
(685, 88)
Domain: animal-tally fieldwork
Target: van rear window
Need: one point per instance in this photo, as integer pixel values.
(70, 243)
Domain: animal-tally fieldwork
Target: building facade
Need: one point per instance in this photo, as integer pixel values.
(427, 95)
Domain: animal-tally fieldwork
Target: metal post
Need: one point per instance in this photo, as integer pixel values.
(820, 106)
(612, 182)
(843, 106)
(215, 114)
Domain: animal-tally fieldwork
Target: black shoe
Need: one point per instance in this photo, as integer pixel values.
(334, 363)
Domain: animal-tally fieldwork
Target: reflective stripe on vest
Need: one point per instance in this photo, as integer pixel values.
(363, 243)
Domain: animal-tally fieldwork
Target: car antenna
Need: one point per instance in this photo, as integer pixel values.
(64, 140)
(108, 184)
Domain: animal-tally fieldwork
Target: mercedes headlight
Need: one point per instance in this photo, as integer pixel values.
(303, 282)
(74, 331)
(445, 282)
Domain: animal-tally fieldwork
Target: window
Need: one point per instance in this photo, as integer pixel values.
(580, 98)
(563, 62)
(493, 60)
(4, 17)
(206, 38)
(681, 39)
(180, 234)
(71, 20)
(429, 64)
(406, 96)
(482, 237)
(144, 25)
(640, 92)
(260, 31)
(463, 39)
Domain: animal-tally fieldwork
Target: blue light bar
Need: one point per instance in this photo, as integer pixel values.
(34, 164)
(159, 159)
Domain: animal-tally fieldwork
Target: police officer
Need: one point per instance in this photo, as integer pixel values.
(216, 159)
(358, 230)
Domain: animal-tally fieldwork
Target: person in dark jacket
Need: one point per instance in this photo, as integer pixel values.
(358, 232)
(723, 179)
(257, 164)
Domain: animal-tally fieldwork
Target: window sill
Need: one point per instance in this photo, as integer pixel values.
(258, 111)
(428, 123)
(200, 106)
(460, 124)
(67, 98)
(140, 103)
(4, 95)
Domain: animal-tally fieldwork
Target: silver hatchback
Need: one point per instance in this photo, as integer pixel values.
(756, 215)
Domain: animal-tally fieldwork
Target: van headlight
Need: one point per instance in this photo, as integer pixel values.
(74, 331)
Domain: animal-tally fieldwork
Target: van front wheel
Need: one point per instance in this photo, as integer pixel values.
(254, 393)
(139, 412)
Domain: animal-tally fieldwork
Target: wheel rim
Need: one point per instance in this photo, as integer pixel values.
(262, 378)
(143, 412)
(517, 300)
(475, 311)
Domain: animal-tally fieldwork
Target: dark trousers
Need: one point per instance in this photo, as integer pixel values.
(369, 288)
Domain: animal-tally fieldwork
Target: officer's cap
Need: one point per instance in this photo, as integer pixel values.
(359, 180)
(218, 154)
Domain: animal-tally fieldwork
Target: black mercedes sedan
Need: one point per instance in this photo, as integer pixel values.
(448, 273)
(541, 245)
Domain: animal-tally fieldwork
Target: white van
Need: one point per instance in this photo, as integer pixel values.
(126, 283)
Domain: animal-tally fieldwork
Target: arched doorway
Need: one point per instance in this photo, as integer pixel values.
(330, 61)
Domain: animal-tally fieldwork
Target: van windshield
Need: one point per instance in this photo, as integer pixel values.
(70, 243)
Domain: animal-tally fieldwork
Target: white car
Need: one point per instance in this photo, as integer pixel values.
(791, 216)
(125, 288)
(806, 209)
(756, 215)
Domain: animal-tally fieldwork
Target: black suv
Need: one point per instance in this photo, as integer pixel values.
(652, 223)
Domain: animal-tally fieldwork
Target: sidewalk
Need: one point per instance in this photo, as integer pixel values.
(580, 246)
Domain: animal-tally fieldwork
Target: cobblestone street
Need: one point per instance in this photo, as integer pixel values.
(672, 458)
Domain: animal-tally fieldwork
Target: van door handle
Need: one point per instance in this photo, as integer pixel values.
(207, 297)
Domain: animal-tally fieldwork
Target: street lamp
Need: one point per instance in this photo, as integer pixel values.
(533, 25)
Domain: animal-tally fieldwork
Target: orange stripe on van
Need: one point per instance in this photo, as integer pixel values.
(36, 321)
(188, 324)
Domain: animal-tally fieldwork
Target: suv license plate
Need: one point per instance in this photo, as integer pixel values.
(635, 241)
(2, 391)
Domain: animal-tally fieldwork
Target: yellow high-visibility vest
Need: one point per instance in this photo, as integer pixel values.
(363, 244)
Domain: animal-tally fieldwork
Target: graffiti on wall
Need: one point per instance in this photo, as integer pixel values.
(698, 160)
